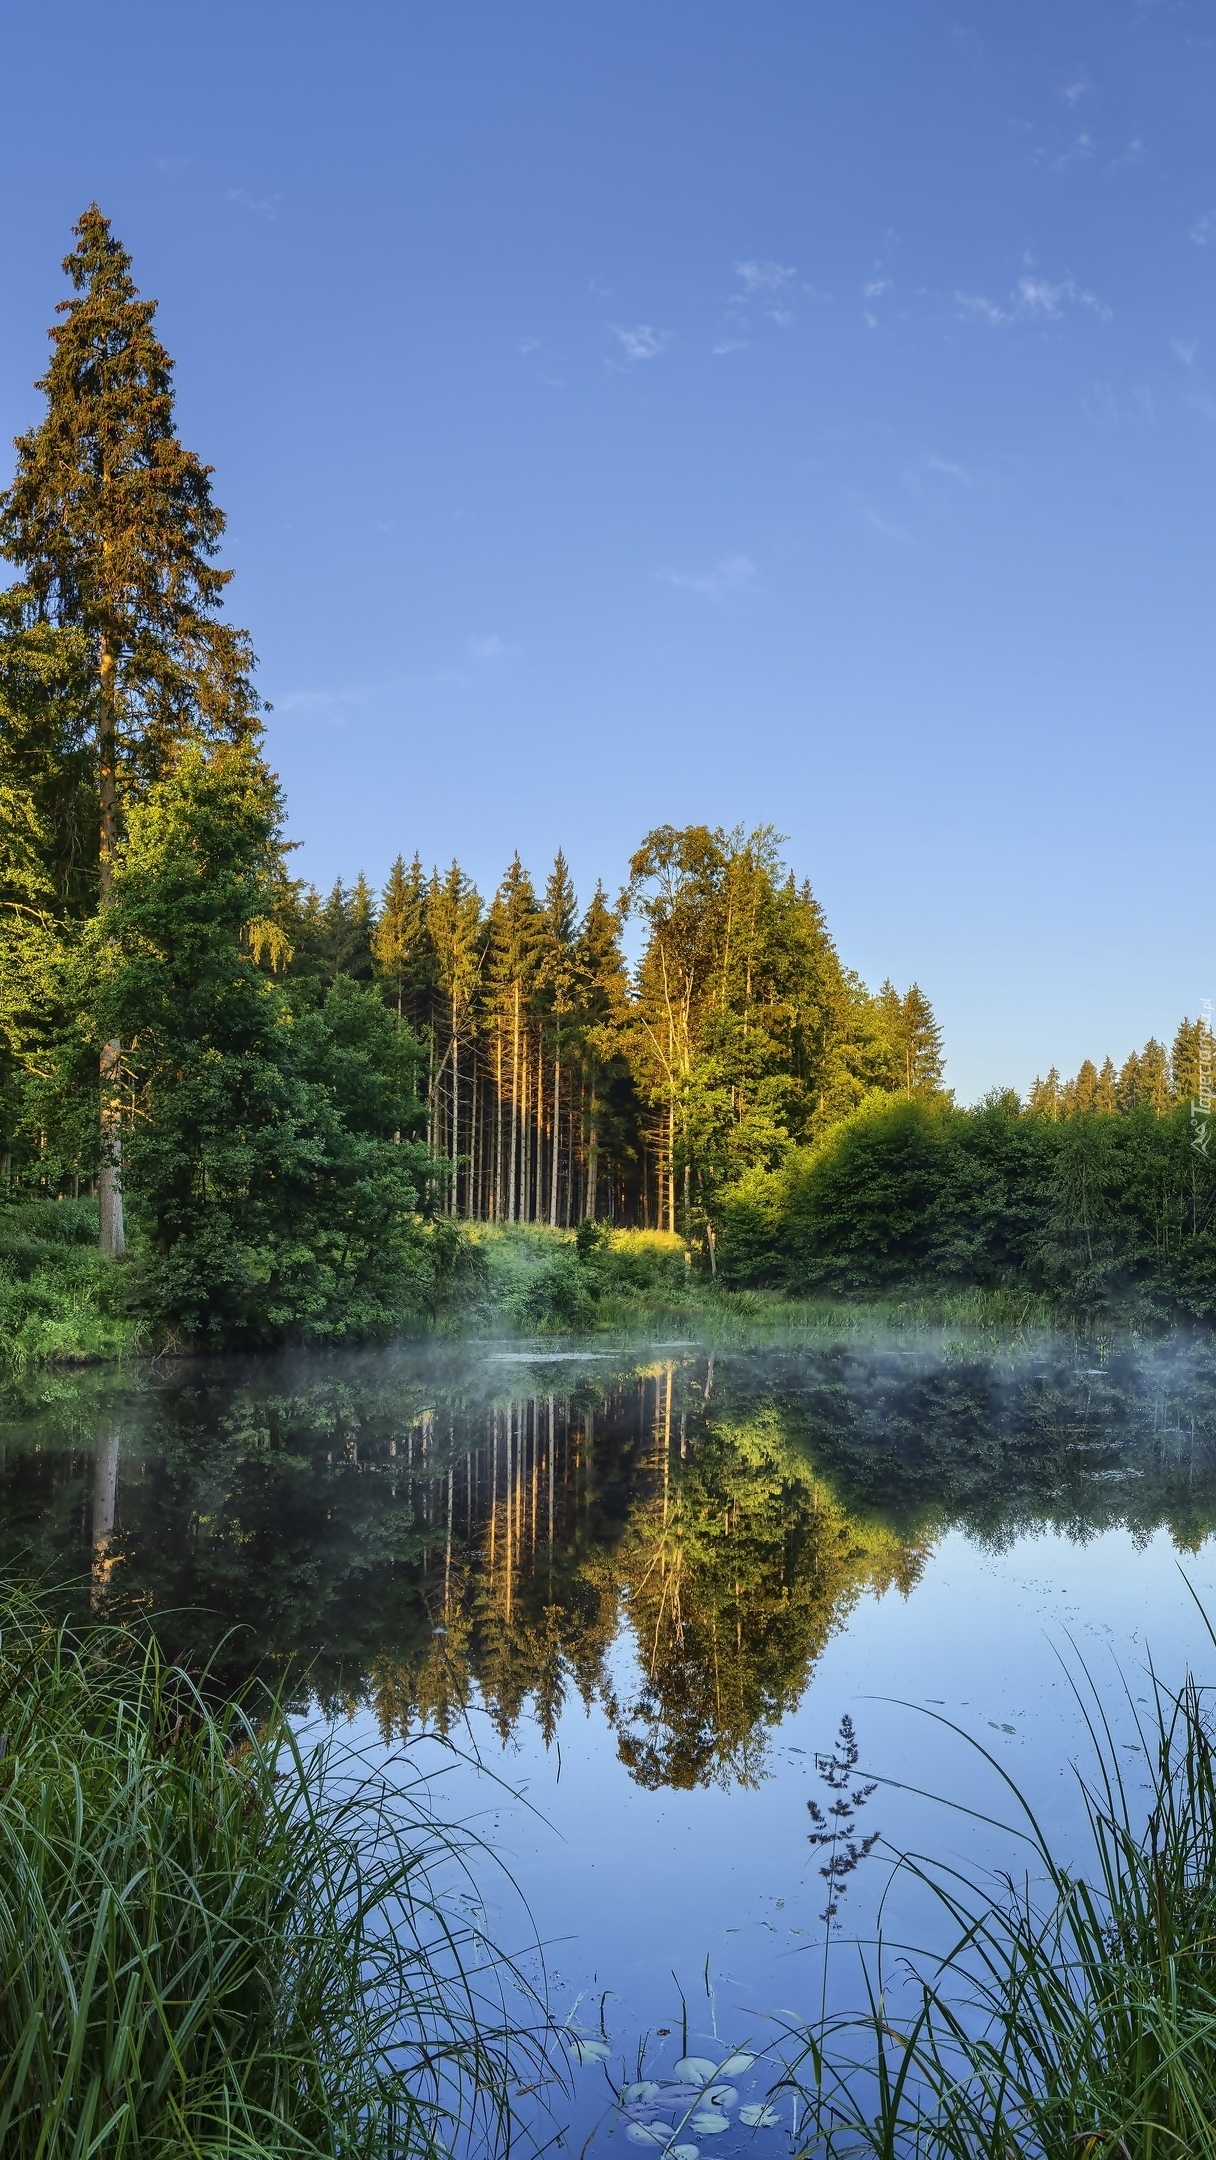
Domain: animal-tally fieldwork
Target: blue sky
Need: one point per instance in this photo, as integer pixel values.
(717, 410)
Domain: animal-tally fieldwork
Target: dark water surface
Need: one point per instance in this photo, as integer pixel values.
(637, 1590)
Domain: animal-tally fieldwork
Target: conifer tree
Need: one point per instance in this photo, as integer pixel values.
(1045, 1097)
(400, 938)
(1106, 1094)
(1085, 1086)
(559, 923)
(1190, 1042)
(915, 1036)
(1153, 1079)
(514, 935)
(1129, 1083)
(603, 1000)
(112, 526)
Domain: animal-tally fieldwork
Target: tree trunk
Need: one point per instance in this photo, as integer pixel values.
(555, 1149)
(513, 1207)
(112, 1237)
(671, 1165)
(498, 1210)
(591, 1195)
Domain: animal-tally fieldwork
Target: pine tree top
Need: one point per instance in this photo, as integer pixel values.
(110, 519)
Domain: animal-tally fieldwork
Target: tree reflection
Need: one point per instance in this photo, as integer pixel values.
(423, 1535)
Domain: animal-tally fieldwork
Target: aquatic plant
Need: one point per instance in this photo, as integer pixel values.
(215, 1940)
(1075, 2011)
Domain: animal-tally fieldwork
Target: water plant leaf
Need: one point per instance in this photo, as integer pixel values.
(587, 2051)
(696, 2069)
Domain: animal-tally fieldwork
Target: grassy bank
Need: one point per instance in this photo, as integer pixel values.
(535, 1281)
(61, 1303)
(214, 1943)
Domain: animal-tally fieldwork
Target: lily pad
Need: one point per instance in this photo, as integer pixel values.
(723, 2096)
(683, 2152)
(649, 2133)
(645, 2090)
(759, 2117)
(735, 2065)
(588, 2051)
(711, 2123)
(696, 2069)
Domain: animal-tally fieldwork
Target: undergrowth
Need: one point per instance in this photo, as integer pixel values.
(60, 1302)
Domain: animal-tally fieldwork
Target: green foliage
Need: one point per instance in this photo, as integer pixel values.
(111, 522)
(268, 1160)
(1099, 1211)
(216, 1942)
(59, 1300)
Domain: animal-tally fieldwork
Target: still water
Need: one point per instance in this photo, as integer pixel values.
(614, 1606)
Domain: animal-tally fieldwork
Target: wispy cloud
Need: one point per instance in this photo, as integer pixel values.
(733, 574)
(926, 475)
(489, 650)
(1203, 231)
(1186, 350)
(1033, 299)
(884, 526)
(642, 341)
(266, 206)
(764, 288)
(1111, 405)
(764, 277)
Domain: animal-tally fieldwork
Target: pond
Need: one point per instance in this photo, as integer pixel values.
(618, 1601)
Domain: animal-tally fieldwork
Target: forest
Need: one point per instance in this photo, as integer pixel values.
(296, 1117)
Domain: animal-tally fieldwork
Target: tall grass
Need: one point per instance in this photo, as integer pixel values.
(1075, 2015)
(215, 1942)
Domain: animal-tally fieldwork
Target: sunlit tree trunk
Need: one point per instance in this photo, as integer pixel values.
(671, 1164)
(513, 1210)
(112, 1236)
(591, 1193)
(556, 1148)
(498, 1195)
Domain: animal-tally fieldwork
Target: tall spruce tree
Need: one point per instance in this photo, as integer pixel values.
(111, 524)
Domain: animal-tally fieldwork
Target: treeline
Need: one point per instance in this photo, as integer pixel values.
(1154, 1079)
(299, 1099)
(1098, 1213)
(561, 1085)
(285, 1093)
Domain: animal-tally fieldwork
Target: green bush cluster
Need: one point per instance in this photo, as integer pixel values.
(1095, 1212)
(539, 1281)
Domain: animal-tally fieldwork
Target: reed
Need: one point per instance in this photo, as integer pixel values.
(214, 1941)
(1074, 2016)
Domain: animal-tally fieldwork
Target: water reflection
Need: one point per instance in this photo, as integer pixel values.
(675, 1538)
